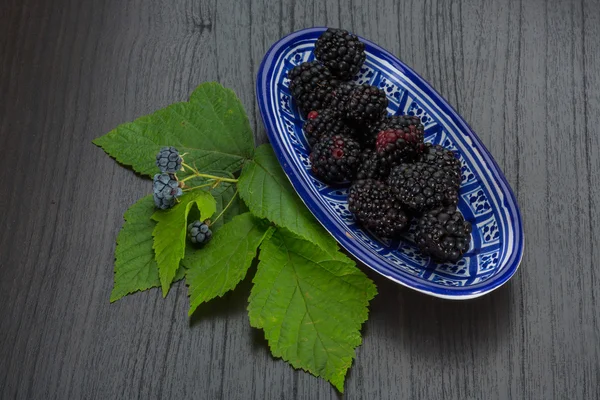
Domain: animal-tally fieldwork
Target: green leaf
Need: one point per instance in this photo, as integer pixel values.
(224, 261)
(310, 304)
(170, 233)
(212, 128)
(135, 267)
(269, 194)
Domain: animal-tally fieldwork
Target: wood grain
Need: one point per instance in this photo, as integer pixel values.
(524, 74)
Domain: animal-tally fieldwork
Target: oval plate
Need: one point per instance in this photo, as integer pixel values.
(486, 199)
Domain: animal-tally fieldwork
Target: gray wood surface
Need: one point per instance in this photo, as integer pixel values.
(526, 76)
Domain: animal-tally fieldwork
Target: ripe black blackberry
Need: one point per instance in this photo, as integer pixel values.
(339, 102)
(422, 187)
(440, 157)
(326, 122)
(341, 52)
(341, 95)
(375, 208)
(398, 146)
(366, 103)
(334, 159)
(400, 139)
(443, 234)
(372, 166)
(311, 85)
(400, 122)
(395, 140)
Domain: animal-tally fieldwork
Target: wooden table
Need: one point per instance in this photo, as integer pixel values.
(524, 74)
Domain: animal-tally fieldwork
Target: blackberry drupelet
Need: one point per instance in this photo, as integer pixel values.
(341, 52)
(168, 160)
(199, 232)
(372, 166)
(443, 234)
(376, 209)
(311, 85)
(166, 190)
(422, 187)
(365, 104)
(335, 158)
(442, 158)
(327, 122)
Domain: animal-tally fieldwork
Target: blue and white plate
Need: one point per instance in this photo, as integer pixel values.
(486, 199)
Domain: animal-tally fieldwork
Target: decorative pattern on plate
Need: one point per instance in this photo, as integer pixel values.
(486, 198)
(441, 280)
(477, 201)
(365, 75)
(487, 262)
(411, 107)
(459, 269)
(489, 232)
(392, 91)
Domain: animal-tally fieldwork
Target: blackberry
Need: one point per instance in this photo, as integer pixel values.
(443, 234)
(199, 232)
(422, 187)
(395, 139)
(311, 85)
(335, 158)
(341, 95)
(325, 123)
(341, 52)
(166, 190)
(366, 103)
(402, 141)
(375, 208)
(168, 160)
(442, 158)
(372, 166)
(339, 102)
(395, 122)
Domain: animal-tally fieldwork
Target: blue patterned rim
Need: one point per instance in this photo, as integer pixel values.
(487, 200)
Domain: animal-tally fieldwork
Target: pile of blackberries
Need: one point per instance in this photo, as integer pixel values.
(394, 176)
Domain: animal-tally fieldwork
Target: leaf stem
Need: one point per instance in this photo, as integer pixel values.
(187, 178)
(217, 178)
(226, 207)
(201, 175)
(197, 187)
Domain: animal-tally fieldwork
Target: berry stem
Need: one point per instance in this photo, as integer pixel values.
(184, 166)
(226, 207)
